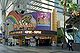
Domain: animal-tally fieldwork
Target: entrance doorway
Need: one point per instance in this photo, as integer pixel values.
(44, 42)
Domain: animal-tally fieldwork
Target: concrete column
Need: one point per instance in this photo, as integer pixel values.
(54, 20)
(20, 40)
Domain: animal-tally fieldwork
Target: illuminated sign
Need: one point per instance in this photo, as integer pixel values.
(17, 32)
(17, 26)
(43, 20)
(35, 32)
(28, 32)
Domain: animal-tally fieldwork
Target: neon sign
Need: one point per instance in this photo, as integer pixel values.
(17, 32)
(33, 32)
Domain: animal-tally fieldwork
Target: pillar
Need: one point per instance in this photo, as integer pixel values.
(54, 20)
(20, 40)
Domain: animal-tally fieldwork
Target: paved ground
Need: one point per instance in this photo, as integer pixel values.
(17, 49)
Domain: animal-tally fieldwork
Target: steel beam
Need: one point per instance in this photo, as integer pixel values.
(52, 1)
(32, 9)
(39, 6)
(47, 4)
(39, 10)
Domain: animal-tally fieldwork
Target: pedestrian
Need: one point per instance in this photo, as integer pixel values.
(70, 46)
(53, 43)
(62, 45)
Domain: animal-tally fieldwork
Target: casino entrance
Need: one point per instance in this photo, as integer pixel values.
(37, 39)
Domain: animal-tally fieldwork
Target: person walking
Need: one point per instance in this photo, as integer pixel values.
(70, 46)
(62, 45)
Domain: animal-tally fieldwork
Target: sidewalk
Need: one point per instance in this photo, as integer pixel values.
(44, 49)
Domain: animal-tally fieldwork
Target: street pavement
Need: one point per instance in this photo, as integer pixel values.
(45, 49)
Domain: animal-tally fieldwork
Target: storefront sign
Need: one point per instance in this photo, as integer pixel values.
(17, 26)
(16, 32)
(34, 32)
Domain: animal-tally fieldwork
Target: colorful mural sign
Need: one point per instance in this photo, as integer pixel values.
(43, 20)
(14, 17)
(39, 20)
(29, 20)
